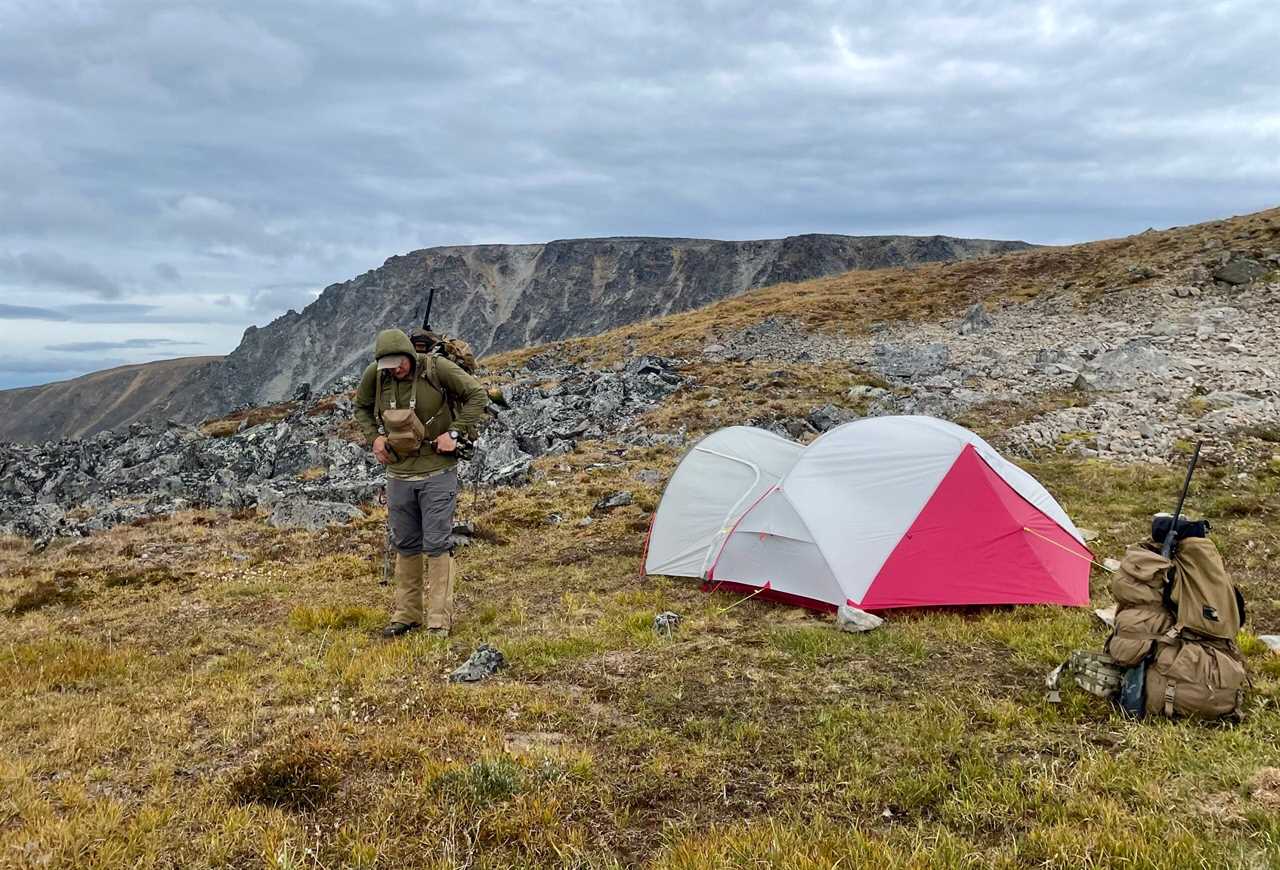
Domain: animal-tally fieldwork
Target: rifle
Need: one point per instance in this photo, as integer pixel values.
(426, 317)
(1171, 536)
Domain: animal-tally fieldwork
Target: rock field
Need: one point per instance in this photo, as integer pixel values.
(1139, 369)
(305, 469)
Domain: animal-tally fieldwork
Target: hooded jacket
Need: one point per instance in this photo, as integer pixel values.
(432, 407)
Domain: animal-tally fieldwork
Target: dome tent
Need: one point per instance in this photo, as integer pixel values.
(879, 513)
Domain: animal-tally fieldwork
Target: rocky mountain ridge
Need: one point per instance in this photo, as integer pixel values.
(502, 297)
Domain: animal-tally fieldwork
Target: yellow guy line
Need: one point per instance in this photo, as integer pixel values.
(1069, 550)
(736, 603)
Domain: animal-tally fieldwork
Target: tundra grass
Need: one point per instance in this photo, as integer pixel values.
(183, 723)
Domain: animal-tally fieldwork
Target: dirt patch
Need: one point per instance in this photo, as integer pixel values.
(540, 743)
(1265, 787)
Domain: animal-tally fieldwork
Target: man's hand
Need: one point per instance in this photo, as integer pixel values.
(380, 450)
(446, 444)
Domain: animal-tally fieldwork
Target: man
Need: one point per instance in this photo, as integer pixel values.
(422, 482)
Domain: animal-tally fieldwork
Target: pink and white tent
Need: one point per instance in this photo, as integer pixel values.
(879, 513)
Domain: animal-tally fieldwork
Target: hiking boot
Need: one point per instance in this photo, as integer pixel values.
(438, 632)
(395, 629)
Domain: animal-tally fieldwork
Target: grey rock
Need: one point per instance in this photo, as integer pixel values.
(796, 428)
(612, 501)
(1239, 270)
(483, 663)
(853, 619)
(649, 476)
(828, 417)
(297, 513)
(1227, 399)
(911, 361)
(976, 319)
(150, 471)
(866, 391)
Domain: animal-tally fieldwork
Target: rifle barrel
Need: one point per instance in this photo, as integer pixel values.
(1166, 549)
(426, 318)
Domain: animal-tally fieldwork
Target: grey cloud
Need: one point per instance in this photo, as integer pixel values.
(276, 298)
(127, 344)
(142, 313)
(27, 312)
(167, 272)
(55, 271)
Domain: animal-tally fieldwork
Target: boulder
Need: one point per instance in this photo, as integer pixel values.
(828, 417)
(1239, 270)
(976, 319)
(612, 501)
(299, 513)
(908, 361)
(852, 619)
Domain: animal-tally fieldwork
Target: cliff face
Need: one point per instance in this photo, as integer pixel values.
(501, 297)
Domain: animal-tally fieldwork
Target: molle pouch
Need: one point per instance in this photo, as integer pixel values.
(404, 431)
(1200, 680)
(1136, 632)
(1140, 580)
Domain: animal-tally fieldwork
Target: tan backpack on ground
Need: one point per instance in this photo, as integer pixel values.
(1176, 622)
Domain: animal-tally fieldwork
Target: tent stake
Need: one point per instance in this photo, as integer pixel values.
(1068, 549)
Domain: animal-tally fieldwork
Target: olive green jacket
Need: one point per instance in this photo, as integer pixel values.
(432, 408)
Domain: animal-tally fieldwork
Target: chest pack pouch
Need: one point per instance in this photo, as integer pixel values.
(403, 430)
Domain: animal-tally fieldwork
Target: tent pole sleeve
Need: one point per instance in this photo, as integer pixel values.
(707, 563)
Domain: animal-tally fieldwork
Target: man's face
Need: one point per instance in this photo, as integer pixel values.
(401, 372)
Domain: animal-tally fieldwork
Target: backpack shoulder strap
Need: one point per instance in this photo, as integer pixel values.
(431, 376)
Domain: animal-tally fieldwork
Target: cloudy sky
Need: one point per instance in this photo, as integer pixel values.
(170, 174)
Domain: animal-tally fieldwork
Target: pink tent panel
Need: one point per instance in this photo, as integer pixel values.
(970, 545)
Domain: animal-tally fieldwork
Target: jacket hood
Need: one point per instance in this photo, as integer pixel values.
(391, 341)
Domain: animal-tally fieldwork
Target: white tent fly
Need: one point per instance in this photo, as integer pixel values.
(879, 513)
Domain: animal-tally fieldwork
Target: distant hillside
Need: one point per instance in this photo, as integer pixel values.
(93, 402)
(503, 297)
